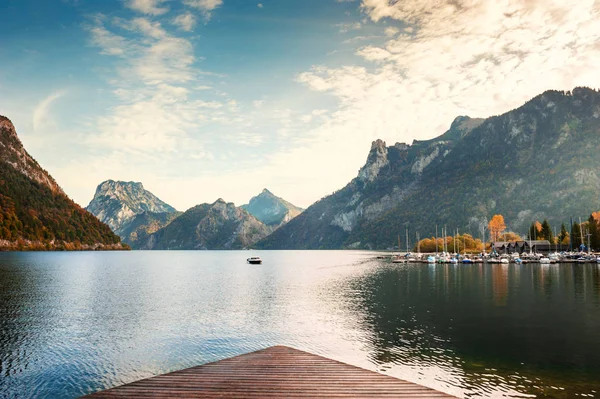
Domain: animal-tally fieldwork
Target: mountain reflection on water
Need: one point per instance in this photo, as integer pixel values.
(71, 324)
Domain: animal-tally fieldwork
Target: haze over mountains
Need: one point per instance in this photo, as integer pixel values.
(539, 161)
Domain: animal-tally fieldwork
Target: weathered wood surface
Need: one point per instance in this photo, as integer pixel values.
(275, 372)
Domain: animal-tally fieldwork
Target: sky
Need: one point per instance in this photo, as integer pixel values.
(208, 99)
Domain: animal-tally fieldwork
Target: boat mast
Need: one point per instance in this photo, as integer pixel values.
(581, 233)
(407, 240)
(436, 242)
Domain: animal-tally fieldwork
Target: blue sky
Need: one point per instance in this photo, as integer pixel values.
(201, 99)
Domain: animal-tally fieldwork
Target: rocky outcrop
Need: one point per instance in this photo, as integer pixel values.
(118, 204)
(271, 210)
(14, 154)
(538, 161)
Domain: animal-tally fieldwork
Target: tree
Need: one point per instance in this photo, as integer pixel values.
(576, 236)
(511, 236)
(546, 232)
(563, 237)
(496, 226)
(535, 231)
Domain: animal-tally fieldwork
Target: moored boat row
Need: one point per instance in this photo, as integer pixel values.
(524, 258)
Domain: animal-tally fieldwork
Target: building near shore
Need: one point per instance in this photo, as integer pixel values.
(509, 247)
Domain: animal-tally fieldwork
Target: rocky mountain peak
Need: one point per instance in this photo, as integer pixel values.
(270, 209)
(116, 203)
(376, 160)
(13, 153)
(118, 187)
(526, 164)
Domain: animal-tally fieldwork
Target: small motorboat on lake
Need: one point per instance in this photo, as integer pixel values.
(254, 260)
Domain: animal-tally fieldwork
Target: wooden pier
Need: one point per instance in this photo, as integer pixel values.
(275, 372)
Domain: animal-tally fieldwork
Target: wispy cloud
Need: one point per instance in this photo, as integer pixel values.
(156, 111)
(185, 21)
(150, 7)
(347, 27)
(206, 6)
(42, 117)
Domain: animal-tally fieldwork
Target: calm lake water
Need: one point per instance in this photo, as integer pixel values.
(75, 323)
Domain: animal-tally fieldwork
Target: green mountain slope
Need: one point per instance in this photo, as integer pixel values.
(538, 161)
(137, 230)
(219, 225)
(35, 213)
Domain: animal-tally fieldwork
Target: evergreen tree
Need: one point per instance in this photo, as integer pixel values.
(535, 231)
(547, 232)
(563, 235)
(576, 236)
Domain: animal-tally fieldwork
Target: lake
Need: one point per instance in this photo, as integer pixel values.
(75, 323)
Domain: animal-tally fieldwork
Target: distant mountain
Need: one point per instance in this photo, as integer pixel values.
(271, 210)
(35, 213)
(219, 225)
(538, 161)
(137, 230)
(130, 210)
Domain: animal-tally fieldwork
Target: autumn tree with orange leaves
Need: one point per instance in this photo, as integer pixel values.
(496, 226)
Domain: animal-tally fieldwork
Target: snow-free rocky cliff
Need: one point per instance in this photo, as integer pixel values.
(119, 203)
(537, 161)
(271, 210)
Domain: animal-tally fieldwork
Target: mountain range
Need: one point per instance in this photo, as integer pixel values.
(35, 213)
(145, 222)
(539, 161)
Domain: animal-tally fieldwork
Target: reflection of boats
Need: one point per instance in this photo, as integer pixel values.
(254, 260)
(398, 259)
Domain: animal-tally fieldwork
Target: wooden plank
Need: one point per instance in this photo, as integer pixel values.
(275, 372)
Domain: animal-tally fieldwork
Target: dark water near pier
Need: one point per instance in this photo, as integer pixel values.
(74, 323)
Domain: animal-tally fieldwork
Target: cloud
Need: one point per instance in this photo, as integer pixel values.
(206, 6)
(41, 114)
(150, 7)
(110, 43)
(391, 31)
(156, 110)
(185, 21)
(460, 57)
(344, 28)
(259, 5)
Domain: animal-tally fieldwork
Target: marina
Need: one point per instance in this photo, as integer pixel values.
(524, 258)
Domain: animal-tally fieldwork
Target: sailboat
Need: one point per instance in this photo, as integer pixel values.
(398, 258)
